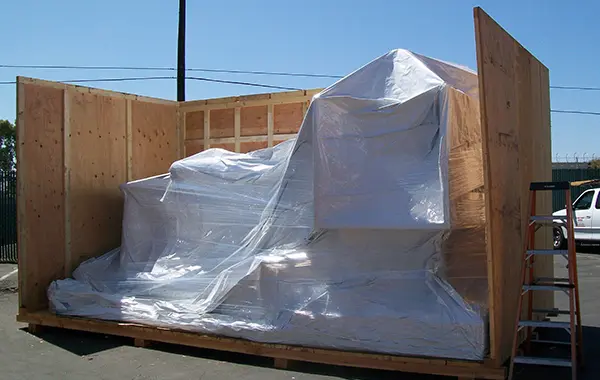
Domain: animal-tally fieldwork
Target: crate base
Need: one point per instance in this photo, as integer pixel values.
(144, 335)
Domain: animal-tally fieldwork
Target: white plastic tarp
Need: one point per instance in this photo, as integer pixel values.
(332, 239)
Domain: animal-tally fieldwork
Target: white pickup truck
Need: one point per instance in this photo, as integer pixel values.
(587, 220)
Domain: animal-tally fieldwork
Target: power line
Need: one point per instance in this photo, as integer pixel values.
(222, 71)
(576, 88)
(102, 80)
(577, 112)
(142, 68)
(252, 84)
(273, 73)
(242, 83)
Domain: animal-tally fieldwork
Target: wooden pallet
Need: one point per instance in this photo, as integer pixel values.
(144, 335)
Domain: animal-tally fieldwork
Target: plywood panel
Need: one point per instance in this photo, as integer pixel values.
(242, 120)
(41, 214)
(516, 144)
(230, 147)
(253, 121)
(250, 100)
(277, 141)
(250, 146)
(222, 123)
(97, 166)
(154, 138)
(287, 118)
(464, 249)
(194, 125)
(193, 146)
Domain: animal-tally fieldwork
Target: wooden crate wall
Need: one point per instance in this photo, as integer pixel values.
(515, 120)
(244, 123)
(76, 145)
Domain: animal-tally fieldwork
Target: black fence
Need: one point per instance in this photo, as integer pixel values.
(571, 175)
(8, 217)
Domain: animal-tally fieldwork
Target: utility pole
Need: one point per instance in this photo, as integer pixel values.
(181, 53)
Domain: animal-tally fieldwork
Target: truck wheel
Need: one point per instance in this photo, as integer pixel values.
(559, 240)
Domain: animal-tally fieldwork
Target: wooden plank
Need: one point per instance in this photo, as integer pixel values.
(499, 139)
(250, 146)
(129, 139)
(222, 123)
(98, 165)
(228, 146)
(270, 125)
(244, 139)
(250, 100)
(334, 357)
(514, 133)
(194, 125)
(40, 200)
(240, 120)
(21, 201)
(180, 126)
(142, 343)
(237, 128)
(281, 363)
(206, 129)
(244, 104)
(35, 329)
(90, 90)
(287, 118)
(193, 146)
(254, 121)
(154, 138)
(67, 179)
(464, 249)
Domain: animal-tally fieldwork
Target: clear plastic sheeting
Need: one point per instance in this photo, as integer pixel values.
(333, 239)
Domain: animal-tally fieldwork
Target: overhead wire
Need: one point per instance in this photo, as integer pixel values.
(142, 68)
(577, 112)
(103, 79)
(225, 71)
(242, 83)
(213, 80)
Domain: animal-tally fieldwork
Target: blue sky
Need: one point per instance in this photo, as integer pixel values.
(331, 37)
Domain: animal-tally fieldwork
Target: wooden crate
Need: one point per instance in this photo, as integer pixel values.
(242, 123)
(76, 145)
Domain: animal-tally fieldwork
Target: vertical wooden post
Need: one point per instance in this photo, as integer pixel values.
(181, 125)
(236, 128)
(129, 138)
(21, 180)
(270, 125)
(67, 179)
(206, 129)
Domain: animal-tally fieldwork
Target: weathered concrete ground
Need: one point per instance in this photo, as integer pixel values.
(69, 355)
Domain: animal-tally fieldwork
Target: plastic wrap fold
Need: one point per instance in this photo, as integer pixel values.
(333, 239)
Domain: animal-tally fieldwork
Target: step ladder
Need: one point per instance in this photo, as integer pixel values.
(531, 285)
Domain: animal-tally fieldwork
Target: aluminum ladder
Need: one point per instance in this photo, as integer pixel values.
(530, 285)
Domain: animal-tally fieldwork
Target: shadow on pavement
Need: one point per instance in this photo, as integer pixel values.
(83, 344)
(303, 367)
(79, 342)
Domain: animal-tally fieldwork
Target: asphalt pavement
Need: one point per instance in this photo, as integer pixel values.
(69, 355)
